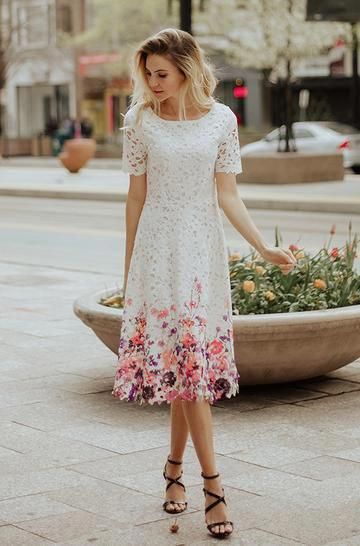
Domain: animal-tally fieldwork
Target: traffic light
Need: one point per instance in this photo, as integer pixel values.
(240, 91)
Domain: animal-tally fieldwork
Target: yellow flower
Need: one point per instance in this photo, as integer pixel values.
(269, 295)
(299, 254)
(249, 286)
(234, 257)
(319, 283)
(260, 269)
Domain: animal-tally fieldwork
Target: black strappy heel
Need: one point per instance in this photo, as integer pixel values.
(171, 482)
(219, 499)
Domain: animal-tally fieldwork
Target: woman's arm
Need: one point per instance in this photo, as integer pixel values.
(235, 210)
(134, 205)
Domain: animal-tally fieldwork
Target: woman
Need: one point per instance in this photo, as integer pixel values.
(181, 149)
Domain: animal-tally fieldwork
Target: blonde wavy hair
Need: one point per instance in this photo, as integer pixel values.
(180, 48)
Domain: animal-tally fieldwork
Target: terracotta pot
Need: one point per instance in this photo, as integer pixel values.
(273, 348)
(76, 153)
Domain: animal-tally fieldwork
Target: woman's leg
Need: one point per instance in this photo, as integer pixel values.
(199, 419)
(179, 432)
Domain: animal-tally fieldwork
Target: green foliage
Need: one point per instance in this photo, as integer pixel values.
(323, 281)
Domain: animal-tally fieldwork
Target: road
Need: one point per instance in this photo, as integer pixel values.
(89, 236)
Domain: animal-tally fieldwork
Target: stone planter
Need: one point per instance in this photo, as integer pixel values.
(291, 168)
(76, 153)
(273, 348)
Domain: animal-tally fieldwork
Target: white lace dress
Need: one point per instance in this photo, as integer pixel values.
(176, 336)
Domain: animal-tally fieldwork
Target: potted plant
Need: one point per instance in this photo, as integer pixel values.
(286, 327)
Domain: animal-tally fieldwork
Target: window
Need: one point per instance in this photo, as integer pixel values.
(303, 133)
(64, 21)
(34, 22)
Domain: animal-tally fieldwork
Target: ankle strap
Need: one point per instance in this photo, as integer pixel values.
(210, 477)
(174, 462)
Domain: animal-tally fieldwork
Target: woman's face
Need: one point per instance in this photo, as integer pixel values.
(163, 78)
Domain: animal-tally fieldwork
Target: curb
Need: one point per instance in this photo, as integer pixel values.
(267, 202)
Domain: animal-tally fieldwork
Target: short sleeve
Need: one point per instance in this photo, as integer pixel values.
(134, 155)
(229, 159)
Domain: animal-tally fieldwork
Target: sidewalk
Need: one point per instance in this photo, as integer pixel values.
(80, 468)
(103, 180)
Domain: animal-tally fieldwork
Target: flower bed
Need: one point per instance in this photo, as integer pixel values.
(324, 281)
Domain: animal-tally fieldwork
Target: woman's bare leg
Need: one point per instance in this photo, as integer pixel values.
(199, 419)
(179, 432)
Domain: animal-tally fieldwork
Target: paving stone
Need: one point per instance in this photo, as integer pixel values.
(332, 493)
(321, 468)
(334, 386)
(350, 454)
(70, 525)
(17, 485)
(112, 501)
(114, 439)
(273, 456)
(31, 507)
(12, 536)
(318, 525)
(350, 541)
(257, 537)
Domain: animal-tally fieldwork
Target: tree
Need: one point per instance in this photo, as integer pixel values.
(269, 35)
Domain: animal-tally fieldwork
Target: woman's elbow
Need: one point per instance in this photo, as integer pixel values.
(137, 187)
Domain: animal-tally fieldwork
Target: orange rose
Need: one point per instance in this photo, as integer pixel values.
(249, 286)
(260, 270)
(234, 257)
(269, 295)
(319, 283)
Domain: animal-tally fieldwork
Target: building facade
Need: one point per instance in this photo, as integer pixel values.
(40, 77)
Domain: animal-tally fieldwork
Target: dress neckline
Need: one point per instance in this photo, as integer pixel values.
(182, 120)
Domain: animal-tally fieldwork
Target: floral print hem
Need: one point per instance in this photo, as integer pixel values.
(168, 353)
(141, 397)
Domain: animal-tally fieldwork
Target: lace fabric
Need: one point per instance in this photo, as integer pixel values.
(176, 337)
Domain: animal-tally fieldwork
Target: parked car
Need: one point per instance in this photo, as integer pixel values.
(316, 136)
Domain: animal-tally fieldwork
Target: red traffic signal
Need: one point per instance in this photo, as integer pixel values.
(240, 92)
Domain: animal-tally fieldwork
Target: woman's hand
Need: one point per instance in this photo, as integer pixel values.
(284, 258)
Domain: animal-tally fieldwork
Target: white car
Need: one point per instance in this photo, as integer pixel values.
(317, 136)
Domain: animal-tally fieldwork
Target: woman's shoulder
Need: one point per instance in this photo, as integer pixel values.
(224, 110)
(130, 114)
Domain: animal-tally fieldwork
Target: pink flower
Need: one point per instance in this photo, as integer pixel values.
(293, 248)
(188, 322)
(163, 314)
(215, 347)
(223, 363)
(172, 395)
(334, 253)
(193, 303)
(188, 340)
(136, 339)
(166, 356)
